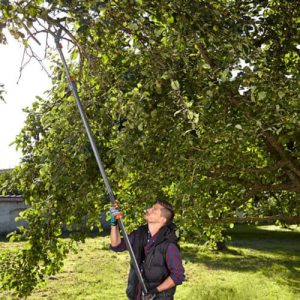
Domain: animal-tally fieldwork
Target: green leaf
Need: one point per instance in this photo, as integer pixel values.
(262, 95)
(102, 12)
(33, 11)
(133, 26)
(281, 94)
(175, 85)
(74, 54)
(224, 75)
(104, 59)
(206, 66)
(170, 20)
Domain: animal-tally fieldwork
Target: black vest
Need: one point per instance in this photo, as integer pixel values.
(154, 265)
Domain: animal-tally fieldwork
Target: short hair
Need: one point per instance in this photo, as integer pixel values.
(167, 210)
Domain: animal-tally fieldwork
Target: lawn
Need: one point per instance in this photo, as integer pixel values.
(261, 262)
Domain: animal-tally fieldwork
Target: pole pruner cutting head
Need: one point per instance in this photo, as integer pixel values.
(58, 37)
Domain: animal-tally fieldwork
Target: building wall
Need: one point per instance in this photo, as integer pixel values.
(10, 207)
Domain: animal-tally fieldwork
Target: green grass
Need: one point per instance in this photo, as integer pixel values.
(261, 263)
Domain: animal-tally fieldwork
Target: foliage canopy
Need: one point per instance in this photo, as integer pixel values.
(194, 101)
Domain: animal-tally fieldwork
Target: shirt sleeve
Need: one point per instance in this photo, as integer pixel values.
(122, 246)
(174, 264)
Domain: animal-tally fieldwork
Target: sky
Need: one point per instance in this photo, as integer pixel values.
(34, 81)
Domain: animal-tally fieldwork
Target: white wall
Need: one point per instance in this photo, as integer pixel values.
(10, 207)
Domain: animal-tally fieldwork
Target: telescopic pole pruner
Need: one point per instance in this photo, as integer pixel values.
(73, 88)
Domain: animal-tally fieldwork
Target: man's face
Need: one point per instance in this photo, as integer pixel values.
(154, 215)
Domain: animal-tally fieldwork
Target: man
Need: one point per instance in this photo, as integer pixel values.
(156, 251)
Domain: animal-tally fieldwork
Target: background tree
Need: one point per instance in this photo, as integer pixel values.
(194, 101)
(8, 184)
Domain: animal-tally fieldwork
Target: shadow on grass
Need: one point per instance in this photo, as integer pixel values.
(254, 232)
(285, 243)
(284, 271)
(275, 254)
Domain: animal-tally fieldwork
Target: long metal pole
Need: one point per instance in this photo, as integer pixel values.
(85, 121)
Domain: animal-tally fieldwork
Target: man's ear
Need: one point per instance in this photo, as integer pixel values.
(165, 220)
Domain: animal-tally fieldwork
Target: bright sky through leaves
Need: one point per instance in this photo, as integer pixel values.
(34, 81)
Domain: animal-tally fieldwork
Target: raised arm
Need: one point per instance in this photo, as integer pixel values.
(115, 238)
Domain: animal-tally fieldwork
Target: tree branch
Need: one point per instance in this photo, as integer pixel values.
(284, 155)
(260, 171)
(30, 33)
(272, 188)
(205, 55)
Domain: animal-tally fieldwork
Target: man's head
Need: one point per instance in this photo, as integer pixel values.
(160, 212)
